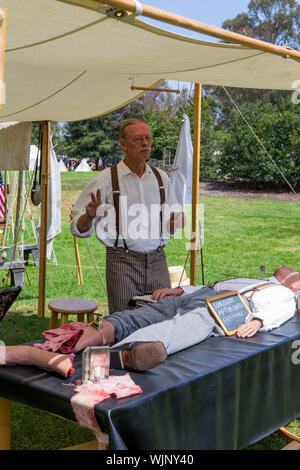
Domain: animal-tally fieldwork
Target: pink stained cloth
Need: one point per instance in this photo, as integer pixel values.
(90, 394)
(62, 339)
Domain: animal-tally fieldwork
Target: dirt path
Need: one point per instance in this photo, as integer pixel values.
(221, 188)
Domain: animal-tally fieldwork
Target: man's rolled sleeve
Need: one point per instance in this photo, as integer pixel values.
(74, 227)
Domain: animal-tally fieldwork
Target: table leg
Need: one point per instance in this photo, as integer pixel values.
(5, 412)
(80, 317)
(53, 321)
(90, 317)
(64, 319)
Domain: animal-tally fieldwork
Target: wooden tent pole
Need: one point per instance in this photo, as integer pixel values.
(195, 188)
(44, 217)
(187, 23)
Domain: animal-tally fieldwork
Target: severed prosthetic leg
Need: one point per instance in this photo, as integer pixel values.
(30, 356)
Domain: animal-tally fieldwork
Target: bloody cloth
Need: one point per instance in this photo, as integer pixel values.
(62, 339)
(90, 394)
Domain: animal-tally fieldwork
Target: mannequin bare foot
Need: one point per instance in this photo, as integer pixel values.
(30, 356)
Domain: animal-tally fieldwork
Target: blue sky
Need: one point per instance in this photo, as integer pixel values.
(212, 12)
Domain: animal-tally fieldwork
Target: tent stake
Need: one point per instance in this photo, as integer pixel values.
(195, 188)
(44, 217)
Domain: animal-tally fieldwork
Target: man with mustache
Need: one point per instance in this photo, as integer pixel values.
(131, 208)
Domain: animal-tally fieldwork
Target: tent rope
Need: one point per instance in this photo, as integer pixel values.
(95, 264)
(258, 139)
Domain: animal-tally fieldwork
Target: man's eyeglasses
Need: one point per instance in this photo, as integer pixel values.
(139, 139)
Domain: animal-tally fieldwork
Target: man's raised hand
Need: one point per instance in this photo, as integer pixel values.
(92, 206)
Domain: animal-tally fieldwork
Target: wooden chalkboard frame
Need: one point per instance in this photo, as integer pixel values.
(210, 300)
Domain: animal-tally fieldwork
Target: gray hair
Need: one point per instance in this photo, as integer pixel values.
(127, 123)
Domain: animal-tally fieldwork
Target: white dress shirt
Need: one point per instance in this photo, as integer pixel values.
(139, 209)
(273, 306)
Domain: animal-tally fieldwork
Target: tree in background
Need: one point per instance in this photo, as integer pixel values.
(98, 137)
(274, 21)
(277, 127)
(166, 122)
(271, 113)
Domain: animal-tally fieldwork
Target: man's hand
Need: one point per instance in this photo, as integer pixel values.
(177, 221)
(85, 221)
(166, 292)
(92, 206)
(249, 329)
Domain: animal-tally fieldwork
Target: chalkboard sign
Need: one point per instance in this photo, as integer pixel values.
(230, 310)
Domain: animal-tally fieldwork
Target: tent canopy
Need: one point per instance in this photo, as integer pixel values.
(65, 62)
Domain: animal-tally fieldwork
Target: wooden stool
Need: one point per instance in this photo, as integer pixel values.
(71, 306)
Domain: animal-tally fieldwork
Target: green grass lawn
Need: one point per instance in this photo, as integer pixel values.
(239, 236)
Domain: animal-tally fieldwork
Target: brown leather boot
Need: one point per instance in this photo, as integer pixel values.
(138, 355)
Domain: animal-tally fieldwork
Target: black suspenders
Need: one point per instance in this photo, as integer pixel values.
(116, 199)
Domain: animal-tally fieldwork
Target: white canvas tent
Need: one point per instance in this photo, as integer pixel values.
(62, 166)
(76, 59)
(182, 170)
(83, 166)
(70, 60)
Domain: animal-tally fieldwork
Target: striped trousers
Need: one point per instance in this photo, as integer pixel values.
(133, 273)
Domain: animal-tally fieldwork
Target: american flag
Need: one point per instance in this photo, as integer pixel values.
(2, 197)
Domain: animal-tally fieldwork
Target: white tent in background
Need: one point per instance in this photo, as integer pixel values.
(182, 170)
(83, 166)
(62, 166)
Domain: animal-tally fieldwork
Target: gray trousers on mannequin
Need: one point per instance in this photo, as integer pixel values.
(178, 322)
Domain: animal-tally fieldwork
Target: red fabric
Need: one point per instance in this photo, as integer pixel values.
(62, 339)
